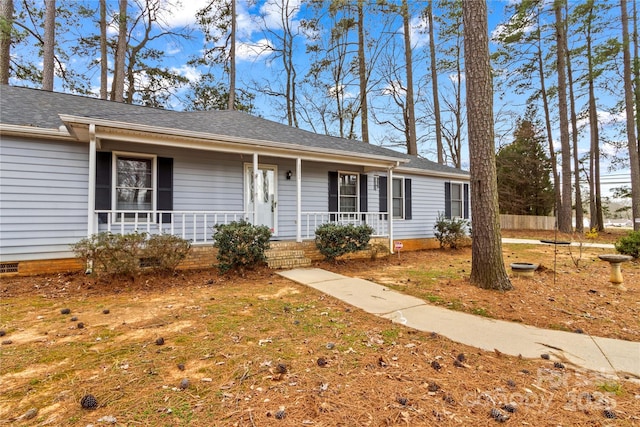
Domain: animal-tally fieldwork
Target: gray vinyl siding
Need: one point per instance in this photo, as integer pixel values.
(43, 196)
(427, 200)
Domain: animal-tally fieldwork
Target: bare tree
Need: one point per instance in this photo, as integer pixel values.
(363, 75)
(6, 28)
(48, 66)
(487, 265)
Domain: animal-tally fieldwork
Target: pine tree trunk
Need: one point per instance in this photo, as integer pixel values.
(104, 66)
(412, 144)
(434, 83)
(117, 88)
(232, 59)
(487, 265)
(49, 44)
(574, 136)
(634, 161)
(362, 75)
(6, 25)
(564, 211)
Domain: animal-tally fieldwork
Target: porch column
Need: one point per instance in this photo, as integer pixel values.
(298, 200)
(255, 188)
(390, 206)
(91, 199)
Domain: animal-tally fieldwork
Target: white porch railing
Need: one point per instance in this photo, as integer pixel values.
(379, 221)
(197, 226)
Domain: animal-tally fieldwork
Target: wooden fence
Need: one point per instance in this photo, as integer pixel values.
(527, 222)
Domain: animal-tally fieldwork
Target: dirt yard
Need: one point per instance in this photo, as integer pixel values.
(202, 349)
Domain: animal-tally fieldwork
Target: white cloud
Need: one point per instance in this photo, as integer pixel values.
(395, 88)
(272, 10)
(191, 73)
(181, 13)
(418, 31)
(253, 50)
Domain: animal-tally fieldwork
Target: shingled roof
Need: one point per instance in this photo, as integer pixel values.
(41, 109)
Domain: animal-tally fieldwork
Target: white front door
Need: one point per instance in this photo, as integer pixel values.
(266, 203)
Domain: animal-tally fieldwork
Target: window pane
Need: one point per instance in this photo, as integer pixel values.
(347, 204)
(134, 183)
(397, 208)
(134, 173)
(134, 199)
(456, 209)
(456, 192)
(397, 187)
(348, 184)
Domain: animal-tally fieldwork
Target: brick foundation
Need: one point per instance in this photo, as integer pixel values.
(205, 256)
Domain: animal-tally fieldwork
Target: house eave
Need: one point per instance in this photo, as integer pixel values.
(31, 131)
(437, 174)
(146, 134)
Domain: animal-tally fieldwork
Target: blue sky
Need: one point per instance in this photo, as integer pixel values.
(255, 61)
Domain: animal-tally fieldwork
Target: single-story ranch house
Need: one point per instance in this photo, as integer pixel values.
(72, 166)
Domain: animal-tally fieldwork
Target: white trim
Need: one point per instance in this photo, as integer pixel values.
(123, 131)
(114, 178)
(461, 184)
(256, 192)
(357, 196)
(390, 207)
(404, 197)
(298, 200)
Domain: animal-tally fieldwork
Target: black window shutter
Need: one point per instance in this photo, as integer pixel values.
(407, 198)
(333, 193)
(165, 187)
(103, 184)
(382, 187)
(447, 200)
(466, 201)
(364, 200)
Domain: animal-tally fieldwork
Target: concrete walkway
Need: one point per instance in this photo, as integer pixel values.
(576, 244)
(594, 353)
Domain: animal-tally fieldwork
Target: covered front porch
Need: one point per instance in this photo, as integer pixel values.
(198, 226)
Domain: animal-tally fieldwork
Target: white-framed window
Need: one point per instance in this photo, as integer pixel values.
(397, 189)
(457, 200)
(347, 192)
(135, 186)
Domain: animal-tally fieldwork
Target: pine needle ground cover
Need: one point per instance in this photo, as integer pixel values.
(204, 349)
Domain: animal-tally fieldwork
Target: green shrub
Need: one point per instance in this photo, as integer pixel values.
(165, 251)
(125, 254)
(629, 244)
(113, 254)
(334, 240)
(450, 231)
(241, 245)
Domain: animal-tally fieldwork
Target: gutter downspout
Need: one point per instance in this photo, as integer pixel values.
(91, 199)
(298, 200)
(255, 188)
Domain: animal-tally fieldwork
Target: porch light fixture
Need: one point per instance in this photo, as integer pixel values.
(289, 175)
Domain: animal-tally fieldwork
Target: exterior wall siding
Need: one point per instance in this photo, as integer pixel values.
(43, 198)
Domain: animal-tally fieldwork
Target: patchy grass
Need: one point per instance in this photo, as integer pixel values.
(261, 350)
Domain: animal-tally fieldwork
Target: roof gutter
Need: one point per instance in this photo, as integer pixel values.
(224, 142)
(46, 133)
